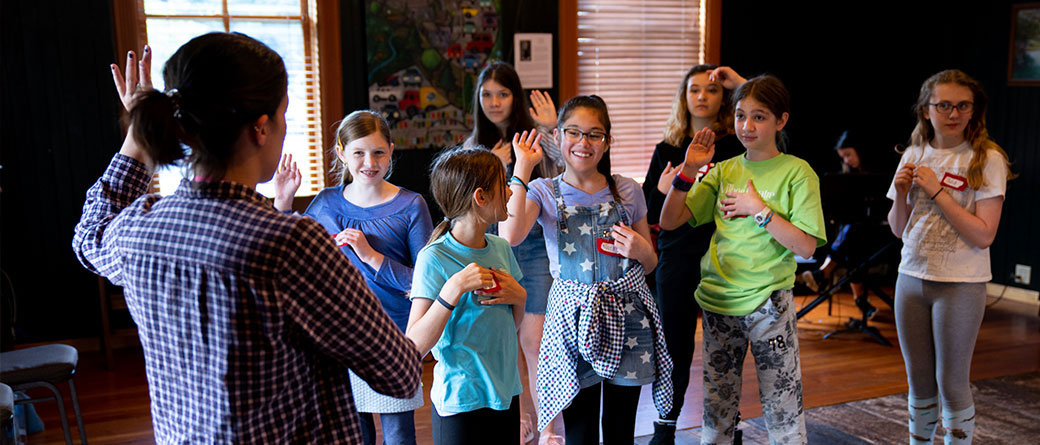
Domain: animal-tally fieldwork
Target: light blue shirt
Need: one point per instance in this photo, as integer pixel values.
(477, 353)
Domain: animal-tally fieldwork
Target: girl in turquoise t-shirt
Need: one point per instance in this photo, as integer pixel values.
(766, 208)
(467, 304)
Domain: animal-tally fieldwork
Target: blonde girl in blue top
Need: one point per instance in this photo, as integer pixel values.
(467, 303)
(602, 330)
(766, 209)
(381, 228)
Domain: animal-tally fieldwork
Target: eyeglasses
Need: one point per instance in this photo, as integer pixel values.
(575, 135)
(947, 107)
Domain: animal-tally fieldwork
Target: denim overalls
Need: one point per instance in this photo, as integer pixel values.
(601, 323)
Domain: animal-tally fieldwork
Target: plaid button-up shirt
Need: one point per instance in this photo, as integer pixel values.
(249, 318)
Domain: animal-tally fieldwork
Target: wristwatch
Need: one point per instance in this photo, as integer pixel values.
(763, 216)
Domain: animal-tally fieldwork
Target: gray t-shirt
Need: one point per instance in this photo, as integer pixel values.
(542, 193)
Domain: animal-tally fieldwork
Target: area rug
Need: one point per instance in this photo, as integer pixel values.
(1008, 410)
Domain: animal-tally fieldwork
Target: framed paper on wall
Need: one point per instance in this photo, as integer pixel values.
(1024, 53)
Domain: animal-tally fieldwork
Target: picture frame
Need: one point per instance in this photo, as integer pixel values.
(1024, 46)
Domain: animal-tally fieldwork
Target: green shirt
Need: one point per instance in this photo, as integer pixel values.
(745, 263)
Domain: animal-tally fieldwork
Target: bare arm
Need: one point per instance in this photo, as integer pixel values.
(748, 203)
(698, 154)
(522, 212)
(791, 237)
(427, 318)
(978, 228)
(900, 212)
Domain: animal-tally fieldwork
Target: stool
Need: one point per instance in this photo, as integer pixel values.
(44, 366)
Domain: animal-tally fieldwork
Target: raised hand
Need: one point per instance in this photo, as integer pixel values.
(527, 147)
(504, 151)
(543, 110)
(699, 152)
(664, 183)
(742, 203)
(925, 178)
(630, 244)
(904, 178)
(287, 180)
(138, 77)
(511, 291)
(725, 75)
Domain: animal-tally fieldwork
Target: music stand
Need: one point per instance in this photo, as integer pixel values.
(855, 198)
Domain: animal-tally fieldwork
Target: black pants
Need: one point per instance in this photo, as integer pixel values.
(581, 418)
(482, 426)
(678, 274)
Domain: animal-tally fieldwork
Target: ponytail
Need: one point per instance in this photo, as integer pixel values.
(154, 120)
(439, 230)
(458, 172)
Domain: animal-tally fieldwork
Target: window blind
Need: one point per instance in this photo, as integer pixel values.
(633, 54)
(289, 27)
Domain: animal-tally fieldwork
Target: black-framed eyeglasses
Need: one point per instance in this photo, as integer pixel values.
(575, 135)
(947, 107)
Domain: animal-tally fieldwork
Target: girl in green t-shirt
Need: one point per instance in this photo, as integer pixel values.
(766, 208)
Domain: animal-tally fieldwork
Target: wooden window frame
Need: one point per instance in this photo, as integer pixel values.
(129, 33)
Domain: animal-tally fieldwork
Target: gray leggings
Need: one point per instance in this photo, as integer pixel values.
(938, 324)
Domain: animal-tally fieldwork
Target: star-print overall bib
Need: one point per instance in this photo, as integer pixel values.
(601, 323)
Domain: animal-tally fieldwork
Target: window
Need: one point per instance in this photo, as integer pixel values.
(288, 26)
(633, 54)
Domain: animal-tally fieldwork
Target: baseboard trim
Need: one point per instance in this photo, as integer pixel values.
(1027, 296)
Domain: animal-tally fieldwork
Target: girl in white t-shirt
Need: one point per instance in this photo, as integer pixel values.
(947, 197)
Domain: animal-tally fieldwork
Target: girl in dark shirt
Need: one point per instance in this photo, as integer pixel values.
(702, 100)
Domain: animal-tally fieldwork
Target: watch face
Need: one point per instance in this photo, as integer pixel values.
(759, 218)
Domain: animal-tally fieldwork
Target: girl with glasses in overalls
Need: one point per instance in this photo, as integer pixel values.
(602, 329)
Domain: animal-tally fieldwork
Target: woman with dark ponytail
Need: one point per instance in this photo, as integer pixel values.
(249, 318)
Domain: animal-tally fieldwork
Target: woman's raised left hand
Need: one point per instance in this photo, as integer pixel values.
(543, 110)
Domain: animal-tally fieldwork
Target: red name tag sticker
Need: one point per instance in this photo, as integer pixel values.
(607, 247)
(704, 170)
(338, 244)
(495, 287)
(958, 183)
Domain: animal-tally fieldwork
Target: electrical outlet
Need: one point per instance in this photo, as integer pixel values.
(1022, 274)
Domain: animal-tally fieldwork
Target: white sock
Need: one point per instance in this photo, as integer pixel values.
(959, 425)
(924, 417)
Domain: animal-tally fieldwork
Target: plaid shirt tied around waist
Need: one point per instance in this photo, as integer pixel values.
(593, 316)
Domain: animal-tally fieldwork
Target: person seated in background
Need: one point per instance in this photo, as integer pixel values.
(852, 243)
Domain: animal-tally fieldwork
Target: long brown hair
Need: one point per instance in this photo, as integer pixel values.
(485, 133)
(357, 125)
(975, 133)
(458, 172)
(678, 127)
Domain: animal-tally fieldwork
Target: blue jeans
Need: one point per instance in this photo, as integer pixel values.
(398, 428)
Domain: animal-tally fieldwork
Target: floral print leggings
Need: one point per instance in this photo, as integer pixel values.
(773, 338)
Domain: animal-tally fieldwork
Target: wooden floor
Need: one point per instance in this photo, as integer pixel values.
(837, 370)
